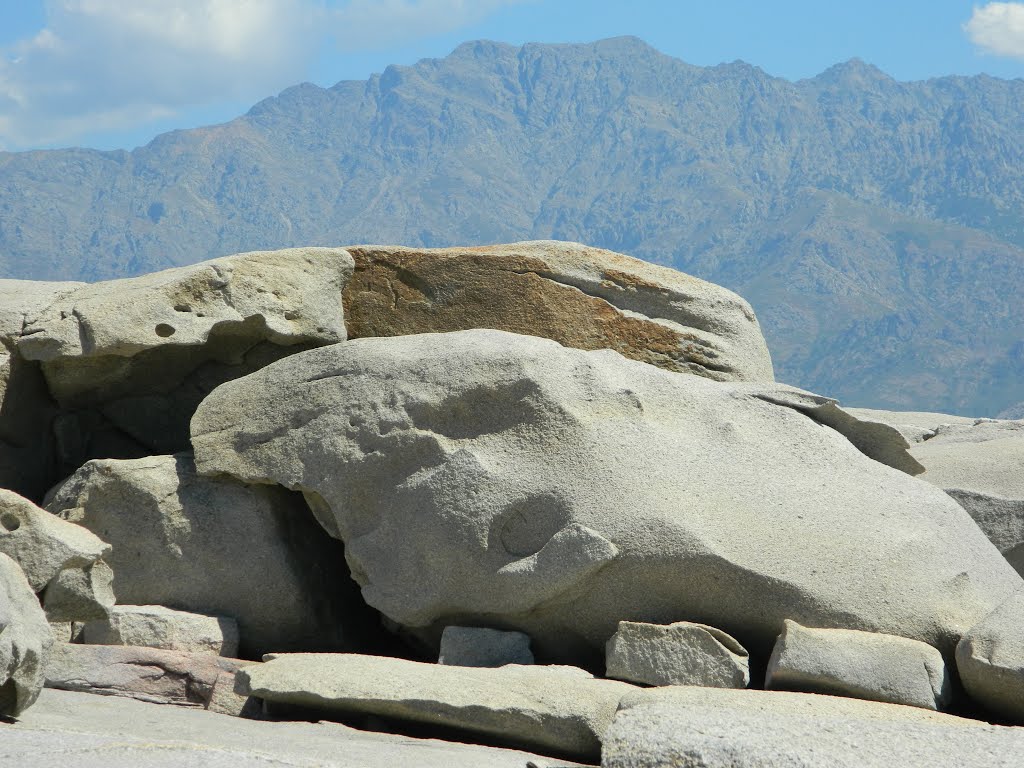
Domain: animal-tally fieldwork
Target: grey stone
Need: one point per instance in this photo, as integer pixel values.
(981, 465)
(114, 732)
(862, 665)
(506, 479)
(483, 647)
(147, 674)
(80, 594)
(218, 547)
(534, 707)
(990, 660)
(682, 653)
(43, 544)
(719, 728)
(25, 639)
(155, 626)
(915, 426)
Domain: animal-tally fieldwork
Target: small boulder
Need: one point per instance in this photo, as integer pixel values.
(531, 706)
(990, 660)
(861, 665)
(155, 626)
(80, 594)
(25, 639)
(482, 647)
(683, 653)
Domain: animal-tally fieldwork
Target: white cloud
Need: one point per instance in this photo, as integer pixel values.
(998, 28)
(114, 64)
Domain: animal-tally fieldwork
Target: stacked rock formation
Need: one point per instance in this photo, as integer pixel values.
(532, 463)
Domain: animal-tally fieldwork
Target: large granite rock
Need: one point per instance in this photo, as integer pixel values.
(561, 710)
(720, 728)
(990, 660)
(682, 653)
(66, 728)
(25, 639)
(155, 626)
(582, 297)
(216, 546)
(116, 369)
(863, 665)
(981, 465)
(482, 476)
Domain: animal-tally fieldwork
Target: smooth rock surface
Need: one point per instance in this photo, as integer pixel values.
(86, 731)
(155, 626)
(582, 297)
(862, 665)
(43, 544)
(218, 547)
(990, 660)
(981, 465)
(484, 475)
(682, 653)
(147, 674)
(483, 647)
(25, 639)
(535, 707)
(719, 728)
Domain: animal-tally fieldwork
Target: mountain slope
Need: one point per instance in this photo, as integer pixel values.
(877, 227)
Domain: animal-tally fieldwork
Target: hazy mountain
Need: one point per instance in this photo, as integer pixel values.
(876, 226)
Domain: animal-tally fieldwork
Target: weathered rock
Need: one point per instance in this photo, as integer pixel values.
(915, 426)
(494, 477)
(682, 653)
(116, 369)
(147, 674)
(990, 660)
(482, 647)
(862, 665)
(981, 465)
(155, 626)
(43, 544)
(115, 732)
(25, 639)
(721, 728)
(582, 297)
(216, 546)
(80, 594)
(534, 707)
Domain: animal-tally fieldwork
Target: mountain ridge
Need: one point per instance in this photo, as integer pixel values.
(877, 226)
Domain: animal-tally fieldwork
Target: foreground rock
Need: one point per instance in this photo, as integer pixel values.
(682, 653)
(482, 647)
(116, 369)
(863, 665)
(489, 476)
(25, 639)
(981, 465)
(564, 711)
(582, 297)
(990, 660)
(719, 728)
(217, 547)
(154, 626)
(147, 674)
(66, 728)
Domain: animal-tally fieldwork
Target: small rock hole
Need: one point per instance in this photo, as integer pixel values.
(10, 522)
(182, 308)
(163, 330)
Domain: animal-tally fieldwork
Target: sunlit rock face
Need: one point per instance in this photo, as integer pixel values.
(487, 476)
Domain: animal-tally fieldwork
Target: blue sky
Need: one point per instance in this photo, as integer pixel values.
(114, 73)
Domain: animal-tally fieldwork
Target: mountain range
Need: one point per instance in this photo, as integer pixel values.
(876, 226)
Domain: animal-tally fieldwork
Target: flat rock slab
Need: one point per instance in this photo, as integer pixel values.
(582, 297)
(155, 626)
(721, 728)
(85, 731)
(682, 653)
(863, 665)
(549, 709)
(147, 674)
